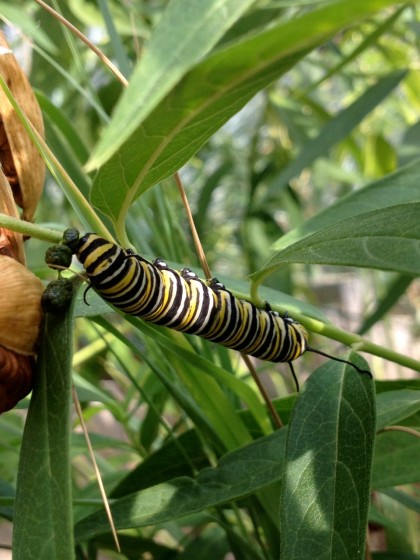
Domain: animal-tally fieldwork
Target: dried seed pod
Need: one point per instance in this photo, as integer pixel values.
(16, 376)
(11, 243)
(20, 319)
(20, 307)
(21, 162)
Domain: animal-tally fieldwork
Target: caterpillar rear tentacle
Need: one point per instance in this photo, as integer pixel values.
(182, 301)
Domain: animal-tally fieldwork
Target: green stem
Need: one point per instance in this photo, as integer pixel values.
(357, 342)
(28, 228)
(353, 340)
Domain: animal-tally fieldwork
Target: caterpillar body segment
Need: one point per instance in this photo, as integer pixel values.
(181, 301)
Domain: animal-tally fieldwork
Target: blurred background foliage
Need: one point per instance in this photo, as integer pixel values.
(319, 133)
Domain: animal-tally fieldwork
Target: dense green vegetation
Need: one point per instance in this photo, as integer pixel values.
(295, 130)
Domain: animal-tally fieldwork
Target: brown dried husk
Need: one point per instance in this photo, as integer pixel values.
(11, 243)
(22, 164)
(16, 378)
(20, 307)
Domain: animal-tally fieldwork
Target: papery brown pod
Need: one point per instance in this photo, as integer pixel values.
(11, 243)
(16, 378)
(20, 320)
(20, 307)
(21, 162)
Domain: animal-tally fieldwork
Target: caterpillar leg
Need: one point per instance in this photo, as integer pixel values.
(215, 284)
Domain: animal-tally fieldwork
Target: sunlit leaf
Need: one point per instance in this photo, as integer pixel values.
(43, 504)
(387, 239)
(326, 486)
(204, 100)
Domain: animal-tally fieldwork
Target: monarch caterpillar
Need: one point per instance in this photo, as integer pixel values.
(182, 301)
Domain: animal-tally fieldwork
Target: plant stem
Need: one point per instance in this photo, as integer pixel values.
(27, 228)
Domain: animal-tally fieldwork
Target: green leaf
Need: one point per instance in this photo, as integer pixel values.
(337, 129)
(408, 500)
(395, 406)
(397, 385)
(29, 25)
(177, 457)
(135, 547)
(394, 555)
(185, 33)
(238, 474)
(206, 98)
(396, 460)
(43, 518)
(325, 496)
(386, 239)
(397, 188)
(65, 127)
(396, 288)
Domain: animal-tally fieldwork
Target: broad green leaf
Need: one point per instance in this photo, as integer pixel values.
(397, 188)
(386, 239)
(186, 32)
(395, 406)
(326, 485)
(206, 98)
(43, 518)
(90, 304)
(337, 129)
(238, 474)
(396, 460)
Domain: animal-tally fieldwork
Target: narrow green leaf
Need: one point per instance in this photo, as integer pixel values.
(200, 393)
(395, 406)
(408, 500)
(396, 460)
(206, 98)
(336, 129)
(397, 188)
(177, 457)
(394, 555)
(396, 288)
(325, 497)
(185, 33)
(397, 385)
(134, 547)
(43, 518)
(238, 474)
(370, 41)
(29, 24)
(118, 49)
(60, 121)
(386, 239)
